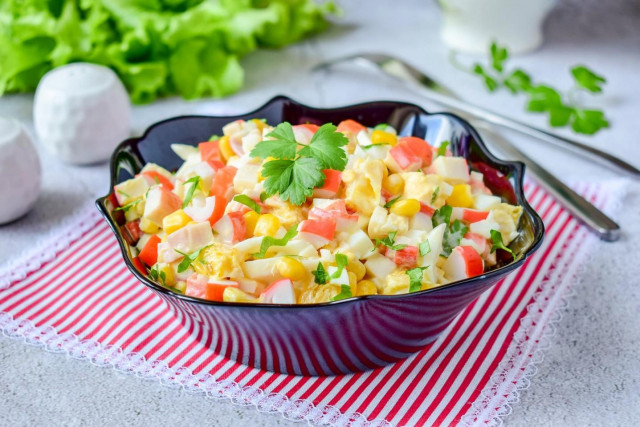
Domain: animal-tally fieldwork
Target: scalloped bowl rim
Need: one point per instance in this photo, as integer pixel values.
(538, 225)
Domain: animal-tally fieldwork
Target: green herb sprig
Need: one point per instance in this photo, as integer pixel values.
(345, 292)
(341, 261)
(497, 243)
(415, 278)
(320, 275)
(297, 169)
(247, 201)
(128, 206)
(269, 241)
(389, 242)
(434, 196)
(424, 248)
(189, 258)
(442, 149)
(157, 275)
(563, 109)
(391, 202)
(453, 232)
(195, 181)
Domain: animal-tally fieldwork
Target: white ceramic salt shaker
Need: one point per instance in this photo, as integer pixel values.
(81, 112)
(19, 171)
(471, 25)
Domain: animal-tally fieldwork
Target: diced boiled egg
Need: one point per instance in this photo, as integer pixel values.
(453, 169)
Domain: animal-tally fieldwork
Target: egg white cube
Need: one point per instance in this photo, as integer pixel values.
(453, 169)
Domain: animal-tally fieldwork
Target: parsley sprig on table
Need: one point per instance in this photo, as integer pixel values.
(297, 168)
(563, 109)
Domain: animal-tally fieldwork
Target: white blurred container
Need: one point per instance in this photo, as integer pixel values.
(19, 171)
(81, 112)
(471, 25)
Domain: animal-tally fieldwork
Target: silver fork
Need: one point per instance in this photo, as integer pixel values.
(442, 95)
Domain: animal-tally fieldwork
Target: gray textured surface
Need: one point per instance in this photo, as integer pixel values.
(591, 372)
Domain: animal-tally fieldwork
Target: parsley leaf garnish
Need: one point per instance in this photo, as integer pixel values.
(424, 247)
(158, 276)
(587, 79)
(368, 147)
(283, 144)
(269, 241)
(325, 146)
(381, 126)
(389, 242)
(496, 239)
(391, 202)
(452, 237)
(188, 259)
(295, 173)
(320, 275)
(434, 196)
(563, 109)
(341, 261)
(453, 232)
(294, 180)
(415, 278)
(195, 181)
(345, 292)
(128, 206)
(441, 216)
(247, 201)
(442, 149)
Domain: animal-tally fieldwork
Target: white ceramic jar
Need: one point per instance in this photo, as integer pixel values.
(81, 112)
(19, 171)
(471, 25)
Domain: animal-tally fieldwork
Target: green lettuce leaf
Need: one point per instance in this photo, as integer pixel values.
(157, 47)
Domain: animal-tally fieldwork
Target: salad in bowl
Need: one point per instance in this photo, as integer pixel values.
(276, 213)
(317, 241)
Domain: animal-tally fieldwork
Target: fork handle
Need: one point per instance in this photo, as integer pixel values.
(574, 146)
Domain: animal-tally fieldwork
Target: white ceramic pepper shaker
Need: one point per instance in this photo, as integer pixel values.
(81, 112)
(19, 171)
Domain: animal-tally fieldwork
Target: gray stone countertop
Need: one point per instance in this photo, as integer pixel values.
(591, 371)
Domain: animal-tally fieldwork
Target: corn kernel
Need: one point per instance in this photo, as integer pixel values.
(165, 273)
(232, 294)
(291, 268)
(175, 221)
(250, 220)
(267, 225)
(357, 268)
(260, 124)
(461, 196)
(382, 137)
(225, 148)
(353, 282)
(366, 287)
(407, 207)
(148, 227)
(394, 184)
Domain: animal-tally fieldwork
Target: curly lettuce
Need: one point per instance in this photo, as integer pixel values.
(157, 47)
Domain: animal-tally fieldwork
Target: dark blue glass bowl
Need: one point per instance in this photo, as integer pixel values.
(339, 337)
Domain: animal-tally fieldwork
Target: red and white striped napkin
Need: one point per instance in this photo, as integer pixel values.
(74, 294)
